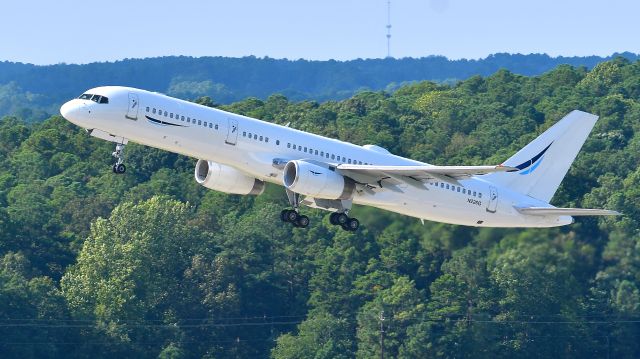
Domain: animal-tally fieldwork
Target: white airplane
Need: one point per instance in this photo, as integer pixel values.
(238, 154)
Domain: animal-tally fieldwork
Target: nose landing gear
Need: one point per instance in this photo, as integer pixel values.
(119, 167)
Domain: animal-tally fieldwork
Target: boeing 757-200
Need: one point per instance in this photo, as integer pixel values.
(238, 154)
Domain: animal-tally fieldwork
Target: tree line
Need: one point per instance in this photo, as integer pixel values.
(34, 92)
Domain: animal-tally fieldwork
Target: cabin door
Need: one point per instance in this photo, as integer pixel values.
(493, 200)
(132, 111)
(232, 132)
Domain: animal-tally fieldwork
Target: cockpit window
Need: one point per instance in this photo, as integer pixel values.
(94, 98)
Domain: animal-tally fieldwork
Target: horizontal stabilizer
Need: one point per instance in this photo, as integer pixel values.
(551, 211)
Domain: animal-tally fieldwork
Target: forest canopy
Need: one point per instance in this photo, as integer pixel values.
(149, 264)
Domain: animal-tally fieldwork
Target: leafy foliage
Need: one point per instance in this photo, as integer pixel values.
(151, 265)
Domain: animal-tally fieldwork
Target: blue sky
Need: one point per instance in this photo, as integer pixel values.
(48, 32)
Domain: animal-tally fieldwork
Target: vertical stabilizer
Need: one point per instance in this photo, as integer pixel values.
(543, 163)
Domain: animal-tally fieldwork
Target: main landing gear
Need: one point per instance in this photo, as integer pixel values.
(119, 167)
(337, 219)
(342, 220)
(295, 218)
(291, 215)
(301, 221)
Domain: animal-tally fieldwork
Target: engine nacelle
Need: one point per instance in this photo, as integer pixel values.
(226, 179)
(316, 181)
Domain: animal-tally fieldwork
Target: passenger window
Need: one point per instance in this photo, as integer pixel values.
(249, 135)
(458, 189)
(338, 158)
(277, 142)
(327, 155)
(288, 145)
(453, 188)
(260, 138)
(199, 122)
(244, 133)
(255, 137)
(344, 160)
(349, 161)
(479, 194)
(321, 153)
(316, 152)
(474, 193)
(210, 125)
(447, 186)
(305, 149)
(154, 111)
(442, 185)
(333, 157)
(165, 114)
(148, 109)
(188, 119)
(182, 118)
(205, 123)
(216, 127)
(266, 139)
(294, 147)
(171, 115)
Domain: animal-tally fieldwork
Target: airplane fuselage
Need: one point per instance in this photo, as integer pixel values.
(256, 148)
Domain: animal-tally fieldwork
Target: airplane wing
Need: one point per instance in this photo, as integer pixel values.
(416, 175)
(551, 211)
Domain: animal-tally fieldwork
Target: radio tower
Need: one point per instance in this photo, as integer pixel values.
(388, 29)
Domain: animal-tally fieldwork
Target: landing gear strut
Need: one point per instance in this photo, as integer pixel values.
(119, 166)
(343, 220)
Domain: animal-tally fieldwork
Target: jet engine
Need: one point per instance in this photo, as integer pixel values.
(317, 181)
(226, 179)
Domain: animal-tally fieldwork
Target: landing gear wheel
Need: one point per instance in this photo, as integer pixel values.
(291, 216)
(352, 225)
(283, 215)
(342, 219)
(333, 218)
(120, 168)
(303, 221)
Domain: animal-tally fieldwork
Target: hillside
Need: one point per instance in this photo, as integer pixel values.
(149, 264)
(35, 92)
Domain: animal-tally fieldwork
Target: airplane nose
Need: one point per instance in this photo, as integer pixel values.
(73, 111)
(67, 109)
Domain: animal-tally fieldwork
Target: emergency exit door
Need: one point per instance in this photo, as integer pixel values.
(132, 111)
(232, 132)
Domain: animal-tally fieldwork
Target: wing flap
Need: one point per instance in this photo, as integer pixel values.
(422, 173)
(552, 211)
